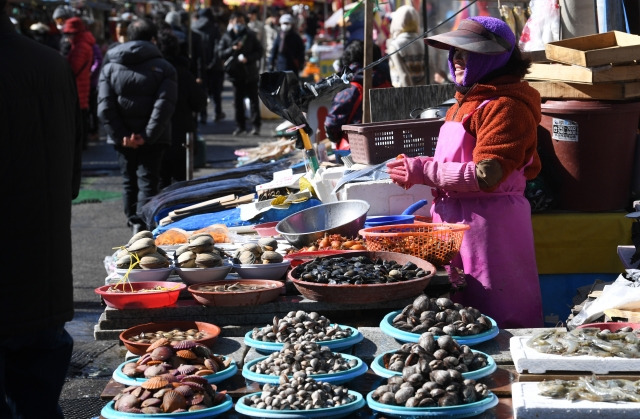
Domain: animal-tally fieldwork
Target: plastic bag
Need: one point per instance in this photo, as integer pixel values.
(542, 27)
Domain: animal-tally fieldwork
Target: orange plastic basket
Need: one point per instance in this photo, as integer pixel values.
(437, 243)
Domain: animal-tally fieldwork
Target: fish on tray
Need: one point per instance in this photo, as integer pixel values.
(587, 341)
(592, 389)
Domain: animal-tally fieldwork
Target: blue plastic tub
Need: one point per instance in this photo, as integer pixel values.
(335, 345)
(331, 412)
(459, 411)
(108, 412)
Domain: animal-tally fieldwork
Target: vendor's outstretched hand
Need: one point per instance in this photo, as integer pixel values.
(407, 171)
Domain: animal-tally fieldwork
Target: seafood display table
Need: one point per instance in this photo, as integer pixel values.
(236, 321)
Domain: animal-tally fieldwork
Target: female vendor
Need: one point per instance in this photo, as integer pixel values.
(486, 151)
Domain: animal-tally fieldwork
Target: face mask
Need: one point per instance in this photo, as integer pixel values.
(285, 27)
(60, 27)
(239, 27)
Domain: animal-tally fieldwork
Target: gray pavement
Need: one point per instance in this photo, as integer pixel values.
(98, 226)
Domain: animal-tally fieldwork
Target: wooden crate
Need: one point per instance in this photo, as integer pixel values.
(577, 74)
(595, 50)
(599, 91)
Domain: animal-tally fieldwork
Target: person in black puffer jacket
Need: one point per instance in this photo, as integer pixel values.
(137, 96)
(241, 52)
(191, 99)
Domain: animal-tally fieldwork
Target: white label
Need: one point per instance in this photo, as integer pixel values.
(564, 130)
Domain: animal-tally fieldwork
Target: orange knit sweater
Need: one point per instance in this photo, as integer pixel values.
(505, 128)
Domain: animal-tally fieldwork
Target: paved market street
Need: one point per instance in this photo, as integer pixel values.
(98, 225)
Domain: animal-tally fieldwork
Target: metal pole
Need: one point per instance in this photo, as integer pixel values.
(368, 58)
(425, 19)
(189, 145)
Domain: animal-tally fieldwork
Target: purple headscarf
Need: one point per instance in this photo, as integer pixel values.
(479, 65)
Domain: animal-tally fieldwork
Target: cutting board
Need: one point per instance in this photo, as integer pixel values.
(534, 362)
(527, 404)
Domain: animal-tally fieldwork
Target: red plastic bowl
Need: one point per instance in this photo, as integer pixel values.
(139, 348)
(613, 326)
(266, 229)
(149, 299)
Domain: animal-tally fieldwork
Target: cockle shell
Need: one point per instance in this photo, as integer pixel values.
(186, 354)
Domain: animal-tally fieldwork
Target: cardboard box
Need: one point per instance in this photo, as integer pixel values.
(595, 50)
(599, 91)
(577, 74)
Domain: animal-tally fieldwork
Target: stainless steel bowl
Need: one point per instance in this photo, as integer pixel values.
(305, 227)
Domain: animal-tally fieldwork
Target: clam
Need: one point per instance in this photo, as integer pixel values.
(154, 261)
(125, 262)
(245, 257)
(208, 260)
(140, 235)
(253, 248)
(268, 243)
(202, 243)
(142, 246)
(271, 257)
(187, 259)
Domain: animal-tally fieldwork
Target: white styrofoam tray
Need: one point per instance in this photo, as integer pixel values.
(534, 362)
(528, 404)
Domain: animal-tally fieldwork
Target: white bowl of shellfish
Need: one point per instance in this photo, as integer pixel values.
(193, 276)
(144, 275)
(272, 271)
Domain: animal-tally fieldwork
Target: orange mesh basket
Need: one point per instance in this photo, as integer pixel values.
(437, 243)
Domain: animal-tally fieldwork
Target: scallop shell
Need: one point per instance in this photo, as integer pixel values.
(186, 369)
(154, 261)
(195, 386)
(185, 390)
(212, 364)
(162, 353)
(208, 260)
(183, 344)
(155, 383)
(194, 379)
(158, 343)
(172, 401)
(202, 351)
(186, 354)
(203, 372)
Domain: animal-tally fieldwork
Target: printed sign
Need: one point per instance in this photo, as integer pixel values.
(564, 130)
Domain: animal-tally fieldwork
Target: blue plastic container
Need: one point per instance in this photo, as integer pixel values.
(378, 367)
(108, 412)
(458, 411)
(337, 378)
(331, 412)
(121, 378)
(335, 345)
(386, 326)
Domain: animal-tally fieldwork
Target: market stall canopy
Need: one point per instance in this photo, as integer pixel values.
(336, 19)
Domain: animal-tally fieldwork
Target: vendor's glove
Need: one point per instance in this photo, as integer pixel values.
(451, 176)
(407, 171)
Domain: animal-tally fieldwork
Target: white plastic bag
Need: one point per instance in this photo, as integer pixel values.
(542, 27)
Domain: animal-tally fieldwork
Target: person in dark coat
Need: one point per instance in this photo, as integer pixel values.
(80, 58)
(346, 107)
(241, 51)
(207, 26)
(287, 52)
(41, 128)
(191, 99)
(137, 95)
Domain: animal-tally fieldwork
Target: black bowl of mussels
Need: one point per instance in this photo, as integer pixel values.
(362, 277)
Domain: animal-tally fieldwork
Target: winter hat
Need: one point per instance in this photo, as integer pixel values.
(173, 19)
(62, 12)
(73, 25)
(286, 18)
(404, 19)
(488, 40)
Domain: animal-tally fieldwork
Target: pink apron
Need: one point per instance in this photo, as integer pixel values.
(497, 252)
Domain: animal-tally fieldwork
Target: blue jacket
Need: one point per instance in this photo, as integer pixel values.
(137, 93)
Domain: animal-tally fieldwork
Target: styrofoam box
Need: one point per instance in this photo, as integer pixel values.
(528, 404)
(534, 362)
(387, 198)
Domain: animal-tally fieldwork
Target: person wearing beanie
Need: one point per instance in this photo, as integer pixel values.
(287, 51)
(80, 58)
(486, 152)
(407, 65)
(60, 16)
